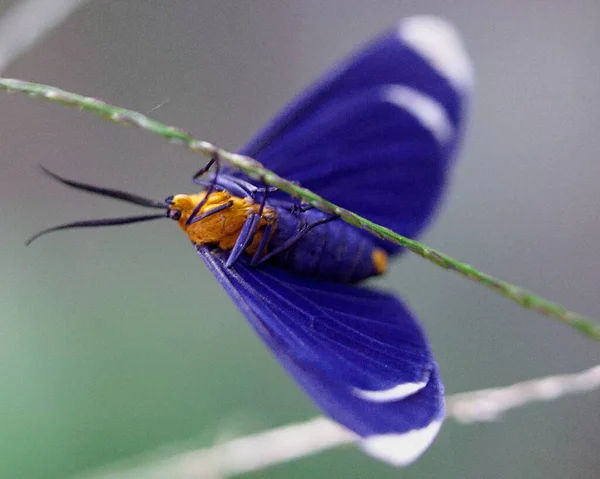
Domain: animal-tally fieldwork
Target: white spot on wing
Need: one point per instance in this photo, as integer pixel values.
(401, 449)
(425, 109)
(438, 42)
(396, 393)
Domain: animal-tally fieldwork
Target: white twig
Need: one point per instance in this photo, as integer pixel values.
(489, 404)
(282, 444)
(25, 23)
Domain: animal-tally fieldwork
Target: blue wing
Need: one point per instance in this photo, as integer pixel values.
(377, 134)
(358, 352)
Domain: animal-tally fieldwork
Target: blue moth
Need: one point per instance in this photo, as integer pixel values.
(376, 135)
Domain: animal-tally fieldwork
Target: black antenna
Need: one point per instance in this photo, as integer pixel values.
(111, 193)
(96, 223)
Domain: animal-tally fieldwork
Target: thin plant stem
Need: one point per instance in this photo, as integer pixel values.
(256, 171)
(258, 451)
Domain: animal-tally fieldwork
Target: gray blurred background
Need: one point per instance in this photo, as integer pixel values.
(118, 341)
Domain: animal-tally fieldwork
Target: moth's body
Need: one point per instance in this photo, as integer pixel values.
(333, 250)
(221, 229)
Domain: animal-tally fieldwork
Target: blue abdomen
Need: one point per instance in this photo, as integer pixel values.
(334, 250)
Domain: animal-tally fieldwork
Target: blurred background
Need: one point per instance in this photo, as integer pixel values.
(118, 342)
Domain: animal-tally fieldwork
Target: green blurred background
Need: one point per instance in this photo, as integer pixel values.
(118, 342)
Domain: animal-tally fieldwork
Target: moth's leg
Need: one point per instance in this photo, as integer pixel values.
(264, 241)
(251, 189)
(262, 246)
(296, 237)
(293, 207)
(217, 162)
(206, 167)
(216, 209)
(244, 239)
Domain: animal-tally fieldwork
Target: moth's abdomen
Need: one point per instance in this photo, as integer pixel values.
(334, 250)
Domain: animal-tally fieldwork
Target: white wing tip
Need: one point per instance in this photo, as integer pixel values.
(401, 449)
(438, 42)
(425, 109)
(396, 393)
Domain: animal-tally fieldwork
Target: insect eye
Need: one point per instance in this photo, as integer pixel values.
(175, 214)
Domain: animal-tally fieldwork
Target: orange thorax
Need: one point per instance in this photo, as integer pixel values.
(223, 228)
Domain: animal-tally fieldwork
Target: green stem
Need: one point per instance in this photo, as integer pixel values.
(255, 170)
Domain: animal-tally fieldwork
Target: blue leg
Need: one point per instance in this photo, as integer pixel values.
(294, 239)
(264, 241)
(291, 206)
(300, 208)
(249, 230)
(206, 167)
(235, 186)
(207, 183)
(222, 207)
(244, 239)
(262, 246)
(214, 160)
(238, 187)
(251, 188)
(224, 184)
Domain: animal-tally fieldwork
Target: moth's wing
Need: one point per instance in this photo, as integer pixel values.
(377, 134)
(358, 353)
